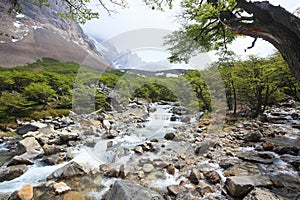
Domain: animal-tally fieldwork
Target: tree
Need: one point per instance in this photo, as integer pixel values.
(39, 92)
(210, 25)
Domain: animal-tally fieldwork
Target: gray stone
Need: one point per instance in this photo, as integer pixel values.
(126, 190)
(30, 127)
(238, 186)
(261, 194)
(69, 170)
(20, 160)
(12, 172)
(204, 146)
(138, 150)
(266, 158)
(147, 168)
(170, 136)
(67, 136)
(29, 145)
(174, 189)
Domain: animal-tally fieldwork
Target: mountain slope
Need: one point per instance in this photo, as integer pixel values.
(40, 32)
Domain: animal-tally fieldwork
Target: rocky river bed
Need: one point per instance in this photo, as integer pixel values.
(153, 155)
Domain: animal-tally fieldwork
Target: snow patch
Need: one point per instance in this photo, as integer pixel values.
(14, 40)
(17, 24)
(2, 42)
(36, 27)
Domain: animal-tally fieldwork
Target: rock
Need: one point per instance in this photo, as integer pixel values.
(126, 190)
(268, 146)
(254, 136)
(73, 195)
(26, 192)
(110, 169)
(69, 170)
(170, 136)
(61, 187)
(238, 186)
(213, 177)
(110, 134)
(195, 176)
(261, 194)
(12, 172)
(106, 124)
(138, 150)
(55, 159)
(225, 164)
(204, 189)
(30, 127)
(67, 136)
(171, 169)
(266, 158)
(174, 190)
(204, 146)
(185, 119)
(147, 168)
(29, 146)
(125, 170)
(52, 149)
(20, 160)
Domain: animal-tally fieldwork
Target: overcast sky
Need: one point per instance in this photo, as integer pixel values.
(139, 16)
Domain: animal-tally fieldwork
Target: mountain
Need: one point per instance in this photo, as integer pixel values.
(41, 32)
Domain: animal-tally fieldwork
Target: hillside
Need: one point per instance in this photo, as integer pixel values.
(38, 33)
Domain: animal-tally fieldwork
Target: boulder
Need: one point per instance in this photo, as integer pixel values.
(204, 146)
(21, 130)
(174, 190)
(30, 146)
(204, 189)
(69, 170)
(213, 177)
(67, 136)
(170, 136)
(110, 134)
(26, 192)
(171, 169)
(12, 172)
(52, 149)
(126, 190)
(254, 136)
(195, 176)
(261, 194)
(110, 169)
(61, 187)
(147, 168)
(106, 124)
(265, 158)
(138, 150)
(20, 160)
(73, 195)
(238, 186)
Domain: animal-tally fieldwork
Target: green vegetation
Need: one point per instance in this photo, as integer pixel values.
(50, 88)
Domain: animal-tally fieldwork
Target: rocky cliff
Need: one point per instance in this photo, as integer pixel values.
(41, 32)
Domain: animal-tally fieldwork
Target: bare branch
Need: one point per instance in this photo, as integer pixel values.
(252, 45)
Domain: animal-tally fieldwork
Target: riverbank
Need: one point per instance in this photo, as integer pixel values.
(143, 154)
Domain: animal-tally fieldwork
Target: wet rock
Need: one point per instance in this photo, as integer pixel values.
(55, 159)
(268, 146)
(30, 127)
(110, 169)
(195, 176)
(238, 186)
(296, 164)
(12, 172)
(26, 192)
(204, 188)
(106, 124)
(52, 149)
(20, 160)
(126, 190)
(30, 146)
(213, 177)
(170, 136)
(225, 164)
(185, 119)
(69, 170)
(261, 194)
(147, 168)
(125, 170)
(174, 190)
(138, 150)
(110, 134)
(266, 158)
(171, 169)
(61, 187)
(254, 136)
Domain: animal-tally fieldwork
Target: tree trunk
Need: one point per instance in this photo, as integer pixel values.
(275, 25)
